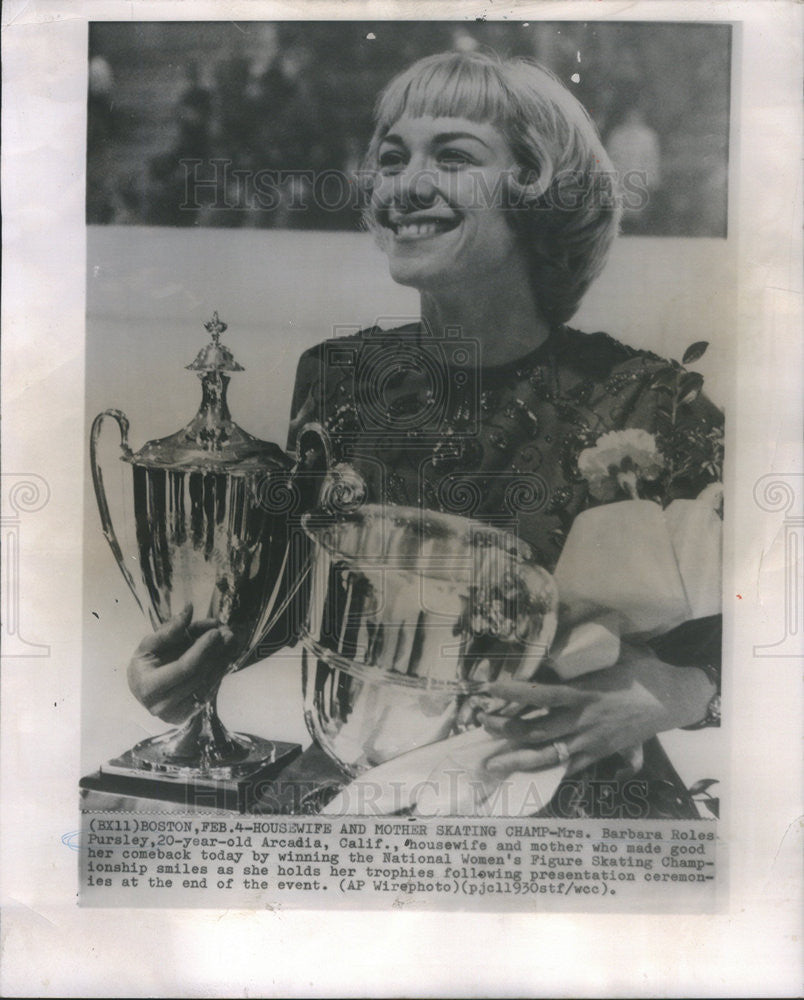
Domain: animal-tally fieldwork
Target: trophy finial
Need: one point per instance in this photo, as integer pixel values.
(216, 327)
(215, 357)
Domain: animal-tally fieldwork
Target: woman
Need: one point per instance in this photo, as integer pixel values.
(493, 196)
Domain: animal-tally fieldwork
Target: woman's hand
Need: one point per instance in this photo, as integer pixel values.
(598, 714)
(176, 666)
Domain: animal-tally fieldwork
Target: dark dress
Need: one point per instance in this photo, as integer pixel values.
(425, 423)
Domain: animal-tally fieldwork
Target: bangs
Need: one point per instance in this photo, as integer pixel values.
(451, 86)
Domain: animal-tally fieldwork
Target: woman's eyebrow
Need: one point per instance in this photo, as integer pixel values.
(437, 140)
(452, 136)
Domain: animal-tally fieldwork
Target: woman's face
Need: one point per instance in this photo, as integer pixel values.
(439, 202)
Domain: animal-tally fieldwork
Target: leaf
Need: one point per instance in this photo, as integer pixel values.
(664, 428)
(702, 785)
(664, 379)
(689, 388)
(695, 351)
(713, 805)
(664, 404)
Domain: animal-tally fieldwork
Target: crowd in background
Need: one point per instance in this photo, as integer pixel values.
(264, 124)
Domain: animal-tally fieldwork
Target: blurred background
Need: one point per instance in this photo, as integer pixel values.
(263, 123)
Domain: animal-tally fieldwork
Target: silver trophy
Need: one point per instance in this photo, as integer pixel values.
(214, 510)
(410, 612)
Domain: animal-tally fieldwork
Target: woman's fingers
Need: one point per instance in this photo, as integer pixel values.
(526, 759)
(174, 710)
(529, 664)
(579, 761)
(177, 633)
(539, 695)
(171, 633)
(198, 628)
(196, 685)
(211, 652)
(469, 711)
(547, 727)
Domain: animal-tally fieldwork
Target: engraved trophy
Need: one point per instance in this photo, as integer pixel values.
(213, 526)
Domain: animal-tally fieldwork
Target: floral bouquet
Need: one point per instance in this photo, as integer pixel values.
(645, 560)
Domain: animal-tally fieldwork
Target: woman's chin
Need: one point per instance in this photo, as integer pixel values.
(410, 280)
(417, 272)
(410, 273)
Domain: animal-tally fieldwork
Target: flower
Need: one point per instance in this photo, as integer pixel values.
(619, 461)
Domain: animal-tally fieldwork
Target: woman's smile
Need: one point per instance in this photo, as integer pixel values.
(417, 225)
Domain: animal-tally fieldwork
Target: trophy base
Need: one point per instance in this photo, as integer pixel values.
(201, 750)
(234, 787)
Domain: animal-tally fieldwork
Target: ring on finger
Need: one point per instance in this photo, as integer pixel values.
(562, 751)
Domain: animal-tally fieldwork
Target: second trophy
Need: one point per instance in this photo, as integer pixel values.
(215, 525)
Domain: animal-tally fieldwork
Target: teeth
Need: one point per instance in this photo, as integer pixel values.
(413, 229)
(416, 229)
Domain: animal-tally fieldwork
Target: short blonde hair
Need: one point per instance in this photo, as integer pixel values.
(564, 204)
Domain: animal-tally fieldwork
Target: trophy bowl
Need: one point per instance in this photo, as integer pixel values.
(410, 611)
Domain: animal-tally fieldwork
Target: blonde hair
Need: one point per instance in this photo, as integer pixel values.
(564, 204)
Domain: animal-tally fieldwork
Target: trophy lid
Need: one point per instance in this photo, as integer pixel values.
(212, 441)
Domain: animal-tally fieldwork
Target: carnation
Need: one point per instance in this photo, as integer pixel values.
(619, 462)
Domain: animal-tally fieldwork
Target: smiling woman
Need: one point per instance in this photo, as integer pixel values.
(492, 195)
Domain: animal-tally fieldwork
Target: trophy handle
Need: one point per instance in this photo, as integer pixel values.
(313, 449)
(100, 492)
(343, 489)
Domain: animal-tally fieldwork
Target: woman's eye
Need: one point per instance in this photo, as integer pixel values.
(390, 160)
(454, 158)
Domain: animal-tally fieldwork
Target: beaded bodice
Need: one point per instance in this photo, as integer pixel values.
(425, 423)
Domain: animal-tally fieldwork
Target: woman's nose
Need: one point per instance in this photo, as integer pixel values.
(415, 186)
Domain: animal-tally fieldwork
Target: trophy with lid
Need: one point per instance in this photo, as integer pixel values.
(214, 516)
